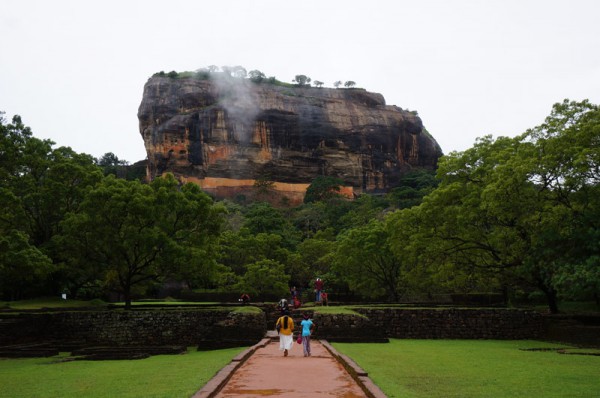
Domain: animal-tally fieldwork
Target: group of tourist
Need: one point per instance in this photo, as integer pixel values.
(285, 327)
(285, 323)
(320, 294)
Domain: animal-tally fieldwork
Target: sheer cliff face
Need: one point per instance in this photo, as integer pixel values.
(226, 134)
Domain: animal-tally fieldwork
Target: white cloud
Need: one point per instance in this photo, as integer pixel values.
(75, 70)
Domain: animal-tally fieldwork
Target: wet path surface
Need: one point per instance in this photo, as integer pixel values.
(267, 373)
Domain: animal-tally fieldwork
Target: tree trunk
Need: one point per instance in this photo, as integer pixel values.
(550, 293)
(505, 297)
(552, 300)
(127, 298)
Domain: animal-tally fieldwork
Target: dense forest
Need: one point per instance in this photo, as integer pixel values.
(518, 216)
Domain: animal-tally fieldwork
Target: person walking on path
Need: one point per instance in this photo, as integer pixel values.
(283, 306)
(307, 329)
(285, 328)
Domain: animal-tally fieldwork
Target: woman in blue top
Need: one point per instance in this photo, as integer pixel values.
(307, 329)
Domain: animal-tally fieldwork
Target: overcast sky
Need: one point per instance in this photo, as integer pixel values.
(75, 70)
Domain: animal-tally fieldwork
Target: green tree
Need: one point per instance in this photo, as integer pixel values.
(337, 83)
(316, 255)
(567, 163)
(522, 209)
(111, 164)
(323, 188)
(44, 183)
(238, 249)
(302, 80)
(475, 226)
(24, 162)
(256, 76)
(349, 84)
(428, 270)
(261, 217)
(57, 184)
(40, 185)
(227, 70)
(324, 207)
(13, 138)
(263, 186)
(318, 83)
(362, 210)
(239, 72)
(264, 277)
(366, 261)
(137, 233)
(23, 267)
(309, 218)
(412, 188)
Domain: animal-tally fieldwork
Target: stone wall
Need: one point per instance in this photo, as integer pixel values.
(456, 323)
(347, 328)
(580, 329)
(205, 328)
(222, 328)
(377, 324)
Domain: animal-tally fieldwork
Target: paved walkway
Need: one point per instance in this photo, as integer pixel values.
(264, 371)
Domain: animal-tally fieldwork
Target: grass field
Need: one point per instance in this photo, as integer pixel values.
(161, 376)
(335, 310)
(57, 303)
(49, 302)
(475, 368)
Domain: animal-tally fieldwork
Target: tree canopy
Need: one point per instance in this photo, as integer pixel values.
(134, 233)
(522, 209)
(516, 215)
(323, 188)
(302, 80)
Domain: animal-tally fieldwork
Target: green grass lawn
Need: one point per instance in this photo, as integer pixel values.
(158, 376)
(49, 302)
(475, 368)
(335, 310)
(58, 303)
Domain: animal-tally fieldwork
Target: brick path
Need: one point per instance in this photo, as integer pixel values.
(264, 371)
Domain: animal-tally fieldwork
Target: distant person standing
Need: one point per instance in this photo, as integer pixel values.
(324, 298)
(293, 293)
(285, 327)
(297, 304)
(307, 329)
(244, 298)
(318, 288)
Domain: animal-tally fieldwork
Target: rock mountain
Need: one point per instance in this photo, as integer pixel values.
(225, 134)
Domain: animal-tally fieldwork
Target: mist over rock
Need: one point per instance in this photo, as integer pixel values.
(226, 133)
